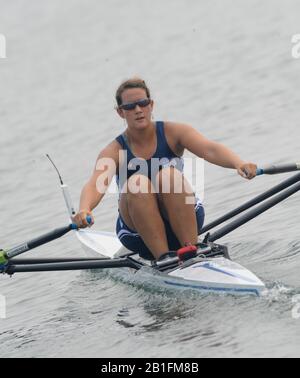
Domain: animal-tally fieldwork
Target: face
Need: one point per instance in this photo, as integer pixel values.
(139, 117)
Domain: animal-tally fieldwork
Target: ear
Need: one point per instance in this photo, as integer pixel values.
(152, 105)
(120, 112)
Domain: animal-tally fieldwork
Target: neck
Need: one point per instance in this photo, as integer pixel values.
(140, 136)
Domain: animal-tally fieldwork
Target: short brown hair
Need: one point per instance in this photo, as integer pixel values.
(135, 82)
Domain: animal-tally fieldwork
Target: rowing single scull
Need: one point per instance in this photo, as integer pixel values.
(208, 269)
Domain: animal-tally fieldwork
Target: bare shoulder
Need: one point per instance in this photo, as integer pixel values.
(176, 128)
(174, 132)
(111, 151)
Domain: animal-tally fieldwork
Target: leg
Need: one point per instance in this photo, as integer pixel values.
(141, 213)
(178, 204)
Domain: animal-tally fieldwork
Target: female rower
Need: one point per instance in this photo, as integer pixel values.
(158, 211)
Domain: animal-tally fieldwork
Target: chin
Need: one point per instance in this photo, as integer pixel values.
(143, 124)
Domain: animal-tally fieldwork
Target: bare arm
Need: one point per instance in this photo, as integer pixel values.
(213, 152)
(96, 187)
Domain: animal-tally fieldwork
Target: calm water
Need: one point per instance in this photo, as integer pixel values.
(224, 67)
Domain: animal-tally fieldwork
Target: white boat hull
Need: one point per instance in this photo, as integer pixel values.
(218, 274)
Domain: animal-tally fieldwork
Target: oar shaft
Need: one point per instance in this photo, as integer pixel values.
(269, 193)
(275, 169)
(75, 265)
(253, 213)
(44, 260)
(34, 243)
(6, 255)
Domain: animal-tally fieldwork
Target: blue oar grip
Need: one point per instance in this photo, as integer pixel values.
(75, 227)
(259, 172)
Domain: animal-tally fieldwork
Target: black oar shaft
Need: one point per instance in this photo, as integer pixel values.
(43, 260)
(254, 213)
(269, 193)
(75, 265)
(34, 243)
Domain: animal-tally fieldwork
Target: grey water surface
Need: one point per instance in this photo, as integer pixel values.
(225, 67)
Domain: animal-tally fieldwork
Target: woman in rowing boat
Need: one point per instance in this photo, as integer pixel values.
(158, 211)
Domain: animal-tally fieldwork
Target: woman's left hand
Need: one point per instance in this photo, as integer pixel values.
(247, 170)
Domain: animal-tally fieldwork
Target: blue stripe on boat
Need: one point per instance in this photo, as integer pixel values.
(208, 288)
(208, 266)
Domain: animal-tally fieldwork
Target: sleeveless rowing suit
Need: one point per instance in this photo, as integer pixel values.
(163, 157)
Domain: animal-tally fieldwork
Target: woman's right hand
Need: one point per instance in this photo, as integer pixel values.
(80, 219)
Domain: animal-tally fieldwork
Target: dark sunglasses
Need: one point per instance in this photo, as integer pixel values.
(133, 105)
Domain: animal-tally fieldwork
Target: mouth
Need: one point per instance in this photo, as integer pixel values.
(140, 118)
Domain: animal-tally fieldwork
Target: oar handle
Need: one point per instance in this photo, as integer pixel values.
(275, 169)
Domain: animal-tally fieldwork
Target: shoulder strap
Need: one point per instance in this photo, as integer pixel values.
(163, 148)
(121, 141)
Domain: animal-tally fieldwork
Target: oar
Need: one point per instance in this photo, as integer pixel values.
(12, 268)
(275, 169)
(6, 255)
(255, 201)
(253, 213)
(48, 260)
(10, 265)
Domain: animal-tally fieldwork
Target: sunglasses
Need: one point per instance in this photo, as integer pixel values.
(133, 105)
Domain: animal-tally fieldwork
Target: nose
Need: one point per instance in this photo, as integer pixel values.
(137, 108)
